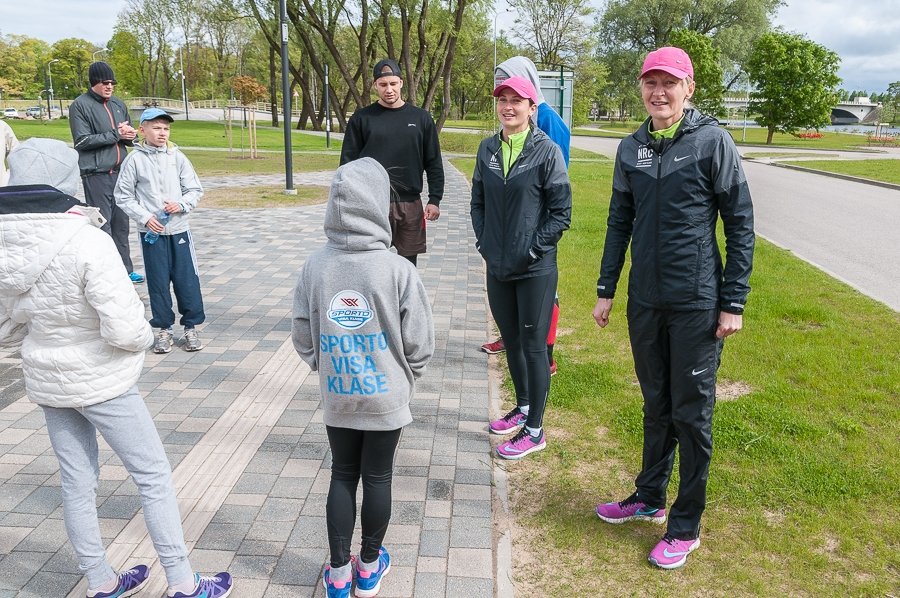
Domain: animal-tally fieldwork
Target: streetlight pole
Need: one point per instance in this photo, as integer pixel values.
(183, 88)
(497, 13)
(50, 86)
(286, 103)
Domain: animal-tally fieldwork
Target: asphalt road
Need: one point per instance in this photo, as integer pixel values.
(845, 228)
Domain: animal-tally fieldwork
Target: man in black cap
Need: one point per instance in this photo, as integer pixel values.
(102, 132)
(403, 139)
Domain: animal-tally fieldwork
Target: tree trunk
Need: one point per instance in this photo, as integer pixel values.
(771, 134)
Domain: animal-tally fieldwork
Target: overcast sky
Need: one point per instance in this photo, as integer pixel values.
(864, 33)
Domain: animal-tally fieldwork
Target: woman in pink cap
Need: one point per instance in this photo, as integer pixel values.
(674, 178)
(521, 204)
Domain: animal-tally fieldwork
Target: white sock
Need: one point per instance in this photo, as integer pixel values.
(185, 587)
(373, 566)
(524, 410)
(341, 573)
(109, 586)
(534, 432)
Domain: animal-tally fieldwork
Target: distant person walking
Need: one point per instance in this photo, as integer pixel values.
(673, 179)
(362, 319)
(403, 139)
(102, 133)
(521, 205)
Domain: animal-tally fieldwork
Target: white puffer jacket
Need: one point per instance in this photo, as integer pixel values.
(65, 296)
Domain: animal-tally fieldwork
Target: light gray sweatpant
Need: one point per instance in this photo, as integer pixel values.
(127, 427)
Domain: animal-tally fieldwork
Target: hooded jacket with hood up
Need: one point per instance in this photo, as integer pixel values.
(149, 177)
(66, 300)
(667, 196)
(519, 218)
(362, 317)
(546, 117)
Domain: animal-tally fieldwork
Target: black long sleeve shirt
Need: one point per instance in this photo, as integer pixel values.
(405, 141)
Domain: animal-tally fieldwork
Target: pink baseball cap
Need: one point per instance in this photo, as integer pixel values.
(522, 86)
(674, 61)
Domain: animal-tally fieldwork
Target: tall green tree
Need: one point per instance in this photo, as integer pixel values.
(644, 25)
(554, 31)
(795, 83)
(709, 91)
(70, 73)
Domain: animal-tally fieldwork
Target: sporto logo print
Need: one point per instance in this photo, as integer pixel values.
(350, 310)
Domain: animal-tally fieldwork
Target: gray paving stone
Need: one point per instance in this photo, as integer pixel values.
(120, 506)
(223, 536)
(428, 585)
(50, 584)
(17, 568)
(300, 567)
(469, 586)
(41, 501)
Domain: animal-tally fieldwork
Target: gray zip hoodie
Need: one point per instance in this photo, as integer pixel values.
(362, 317)
(151, 176)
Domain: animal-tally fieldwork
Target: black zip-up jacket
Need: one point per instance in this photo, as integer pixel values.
(666, 199)
(518, 219)
(94, 122)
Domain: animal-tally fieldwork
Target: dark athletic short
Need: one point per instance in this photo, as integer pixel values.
(408, 227)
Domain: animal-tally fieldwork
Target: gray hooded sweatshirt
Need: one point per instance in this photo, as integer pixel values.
(362, 317)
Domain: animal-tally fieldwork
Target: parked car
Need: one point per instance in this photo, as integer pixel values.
(34, 112)
(10, 113)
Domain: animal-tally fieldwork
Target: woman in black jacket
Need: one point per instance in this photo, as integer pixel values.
(521, 204)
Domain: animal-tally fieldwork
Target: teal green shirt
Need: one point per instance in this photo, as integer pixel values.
(512, 148)
(669, 132)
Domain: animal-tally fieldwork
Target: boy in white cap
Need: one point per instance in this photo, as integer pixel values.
(158, 188)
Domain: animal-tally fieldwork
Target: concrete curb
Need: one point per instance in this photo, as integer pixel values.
(835, 175)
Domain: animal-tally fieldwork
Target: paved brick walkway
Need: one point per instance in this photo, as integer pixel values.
(241, 424)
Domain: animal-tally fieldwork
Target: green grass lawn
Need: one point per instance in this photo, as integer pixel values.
(807, 457)
(887, 170)
(191, 134)
(217, 163)
(754, 136)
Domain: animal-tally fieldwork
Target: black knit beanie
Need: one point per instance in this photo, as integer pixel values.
(100, 71)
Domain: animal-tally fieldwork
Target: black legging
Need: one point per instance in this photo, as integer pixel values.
(356, 453)
(523, 309)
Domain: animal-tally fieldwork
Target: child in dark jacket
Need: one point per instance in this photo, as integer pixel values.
(368, 353)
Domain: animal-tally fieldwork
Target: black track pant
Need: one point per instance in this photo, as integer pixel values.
(355, 454)
(676, 355)
(523, 309)
(98, 191)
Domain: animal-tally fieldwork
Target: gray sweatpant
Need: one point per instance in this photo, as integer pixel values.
(127, 427)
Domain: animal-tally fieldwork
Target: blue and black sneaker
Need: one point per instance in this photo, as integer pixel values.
(369, 582)
(130, 582)
(136, 278)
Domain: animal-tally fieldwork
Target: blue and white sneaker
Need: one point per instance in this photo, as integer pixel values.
(130, 582)
(335, 589)
(369, 582)
(216, 586)
(136, 278)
